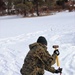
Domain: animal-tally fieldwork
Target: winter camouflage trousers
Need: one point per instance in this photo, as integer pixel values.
(36, 71)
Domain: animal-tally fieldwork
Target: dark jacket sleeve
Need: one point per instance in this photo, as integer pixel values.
(49, 67)
(48, 60)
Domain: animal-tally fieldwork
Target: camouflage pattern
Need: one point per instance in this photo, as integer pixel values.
(37, 60)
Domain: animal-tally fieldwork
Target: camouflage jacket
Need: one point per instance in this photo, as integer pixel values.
(37, 60)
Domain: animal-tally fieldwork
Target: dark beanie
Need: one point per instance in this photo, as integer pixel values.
(42, 40)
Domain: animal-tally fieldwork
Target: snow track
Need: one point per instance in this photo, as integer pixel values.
(10, 56)
(68, 61)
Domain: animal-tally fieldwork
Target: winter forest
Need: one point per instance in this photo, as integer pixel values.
(30, 7)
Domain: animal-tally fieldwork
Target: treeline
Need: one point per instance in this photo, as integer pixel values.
(30, 6)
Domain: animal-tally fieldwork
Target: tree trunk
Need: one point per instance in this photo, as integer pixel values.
(24, 12)
(37, 8)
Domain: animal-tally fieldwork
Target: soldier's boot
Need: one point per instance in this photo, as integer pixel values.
(39, 74)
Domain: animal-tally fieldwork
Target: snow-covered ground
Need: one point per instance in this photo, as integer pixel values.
(16, 33)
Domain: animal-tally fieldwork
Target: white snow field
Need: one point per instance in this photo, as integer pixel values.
(16, 33)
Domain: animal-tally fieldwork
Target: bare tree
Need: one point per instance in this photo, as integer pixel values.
(2, 6)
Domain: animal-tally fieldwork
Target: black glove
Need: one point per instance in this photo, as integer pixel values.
(59, 70)
(56, 52)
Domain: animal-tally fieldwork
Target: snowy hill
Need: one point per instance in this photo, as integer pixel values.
(16, 33)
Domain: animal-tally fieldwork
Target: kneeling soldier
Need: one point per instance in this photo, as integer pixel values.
(38, 59)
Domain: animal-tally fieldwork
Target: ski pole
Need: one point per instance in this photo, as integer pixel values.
(57, 58)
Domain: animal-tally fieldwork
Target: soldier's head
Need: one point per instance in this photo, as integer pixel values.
(42, 40)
